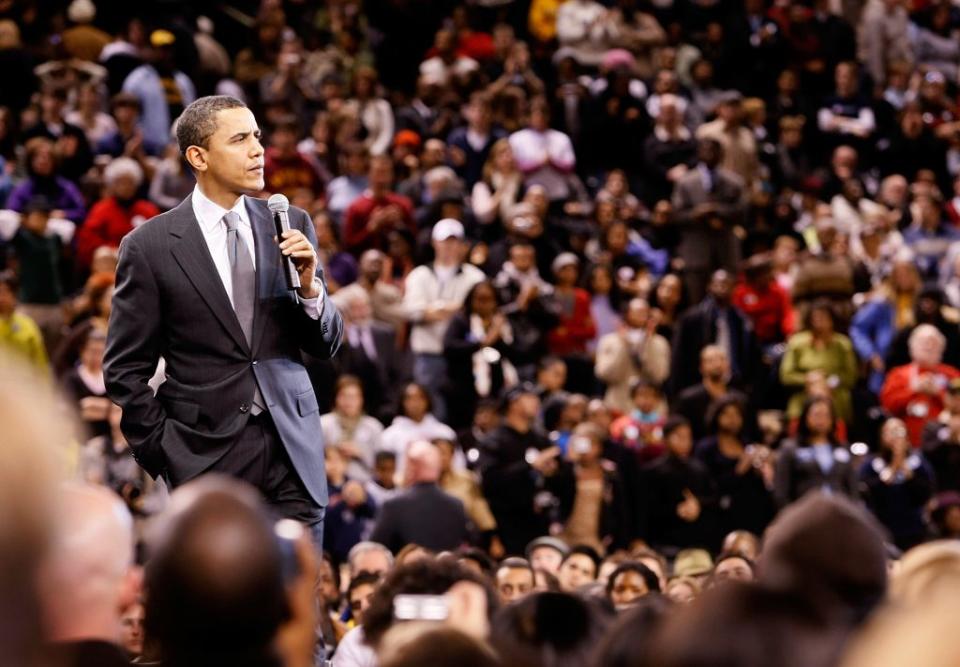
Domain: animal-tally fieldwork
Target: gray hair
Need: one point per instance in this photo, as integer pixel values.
(198, 121)
(361, 548)
(120, 167)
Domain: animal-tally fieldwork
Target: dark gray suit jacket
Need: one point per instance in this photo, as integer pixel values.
(424, 515)
(170, 302)
(728, 195)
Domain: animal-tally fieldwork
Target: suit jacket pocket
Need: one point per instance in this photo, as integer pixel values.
(185, 412)
(307, 403)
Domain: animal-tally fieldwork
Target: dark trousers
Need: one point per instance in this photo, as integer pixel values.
(259, 458)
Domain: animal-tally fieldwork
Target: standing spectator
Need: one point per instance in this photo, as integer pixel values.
(38, 253)
(761, 299)
(163, 90)
(846, 116)
(114, 216)
(737, 142)
(470, 146)
(343, 190)
(670, 150)
(708, 202)
(527, 483)
(819, 356)
(348, 428)
(72, 147)
(373, 111)
(498, 189)
(434, 294)
(415, 422)
(545, 156)
(88, 116)
(816, 460)
(884, 37)
(587, 29)
(569, 338)
(740, 470)
(695, 401)
(482, 354)
(680, 493)
(401, 520)
(712, 321)
(18, 333)
(897, 482)
(370, 218)
(915, 392)
(285, 169)
(635, 351)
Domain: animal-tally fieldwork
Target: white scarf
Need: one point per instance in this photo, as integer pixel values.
(486, 356)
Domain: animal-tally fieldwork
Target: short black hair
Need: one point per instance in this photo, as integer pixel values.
(198, 121)
(649, 577)
(517, 563)
(673, 423)
(384, 455)
(363, 579)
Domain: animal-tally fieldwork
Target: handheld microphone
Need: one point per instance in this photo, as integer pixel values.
(279, 205)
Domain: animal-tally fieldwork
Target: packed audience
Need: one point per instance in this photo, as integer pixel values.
(652, 332)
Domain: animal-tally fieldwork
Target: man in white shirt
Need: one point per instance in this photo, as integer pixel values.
(203, 285)
(434, 294)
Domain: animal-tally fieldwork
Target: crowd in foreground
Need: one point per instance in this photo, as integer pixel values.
(622, 284)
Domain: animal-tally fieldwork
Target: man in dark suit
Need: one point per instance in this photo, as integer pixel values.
(709, 202)
(203, 287)
(423, 514)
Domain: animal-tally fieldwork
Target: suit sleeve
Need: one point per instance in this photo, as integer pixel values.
(321, 337)
(133, 351)
(384, 533)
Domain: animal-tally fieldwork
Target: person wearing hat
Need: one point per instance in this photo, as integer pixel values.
(116, 215)
(529, 486)
(547, 553)
(738, 143)
(163, 90)
(694, 563)
(434, 293)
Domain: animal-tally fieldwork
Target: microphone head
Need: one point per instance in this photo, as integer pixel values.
(278, 204)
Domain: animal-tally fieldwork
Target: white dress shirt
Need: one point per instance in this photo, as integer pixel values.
(210, 216)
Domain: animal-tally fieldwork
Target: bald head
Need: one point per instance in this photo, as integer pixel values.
(214, 581)
(423, 462)
(89, 563)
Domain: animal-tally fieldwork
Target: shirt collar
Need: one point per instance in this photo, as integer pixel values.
(209, 214)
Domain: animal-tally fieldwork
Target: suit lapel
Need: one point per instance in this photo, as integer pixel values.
(193, 256)
(267, 253)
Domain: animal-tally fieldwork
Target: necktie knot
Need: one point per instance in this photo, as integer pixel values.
(232, 220)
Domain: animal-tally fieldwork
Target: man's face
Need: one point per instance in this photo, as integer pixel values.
(735, 569)
(638, 312)
(131, 629)
(721, 284)
(381, 175)
(576, 571)
(522, 257)
(385, 471)
(125, 188)
(714, 364)
(514, 583)
(449, 250)
(546, 558)
(371, 265)
(627, 589)
(234, 156)
(360, 599)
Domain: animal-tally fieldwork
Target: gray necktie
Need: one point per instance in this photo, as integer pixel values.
(244, 279)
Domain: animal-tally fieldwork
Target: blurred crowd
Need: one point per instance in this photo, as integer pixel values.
(622, 282)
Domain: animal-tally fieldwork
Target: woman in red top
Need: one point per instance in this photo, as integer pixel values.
(576, 325)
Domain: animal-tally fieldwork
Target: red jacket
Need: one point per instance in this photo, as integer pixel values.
(900, 399)
(357, 235)
(769, 310)
(575, 329)
(107, 223)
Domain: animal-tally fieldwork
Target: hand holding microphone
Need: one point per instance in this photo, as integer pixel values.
(300, 258)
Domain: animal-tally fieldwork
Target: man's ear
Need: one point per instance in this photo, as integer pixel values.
(197, 158)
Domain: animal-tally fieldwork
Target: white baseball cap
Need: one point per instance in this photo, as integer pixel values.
(446, 229)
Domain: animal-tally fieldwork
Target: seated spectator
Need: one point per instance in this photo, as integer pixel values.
(680, 493)
(742, 472)
(546, 554)
(929, 307)
(83, 385)
(465, 487)
(569, 338)
(44, 178)
(73, 150)
(587, 29)
(498, 189)
(89, 115)
(732, 567)
(816, 356)
(19, 334)
(640, 430)
(816, 460)
(448, 66)
(915, 392)
(343, 190)
(350, 430)
(629, 583)
(929, 236)
(116, 215)
(285, 169)
(91, 577)
(825, 274)
(897, 482)
(514, 579)
(635, 351)
(579, 567)
(471, 146)
(369, 219)
(127, 139)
